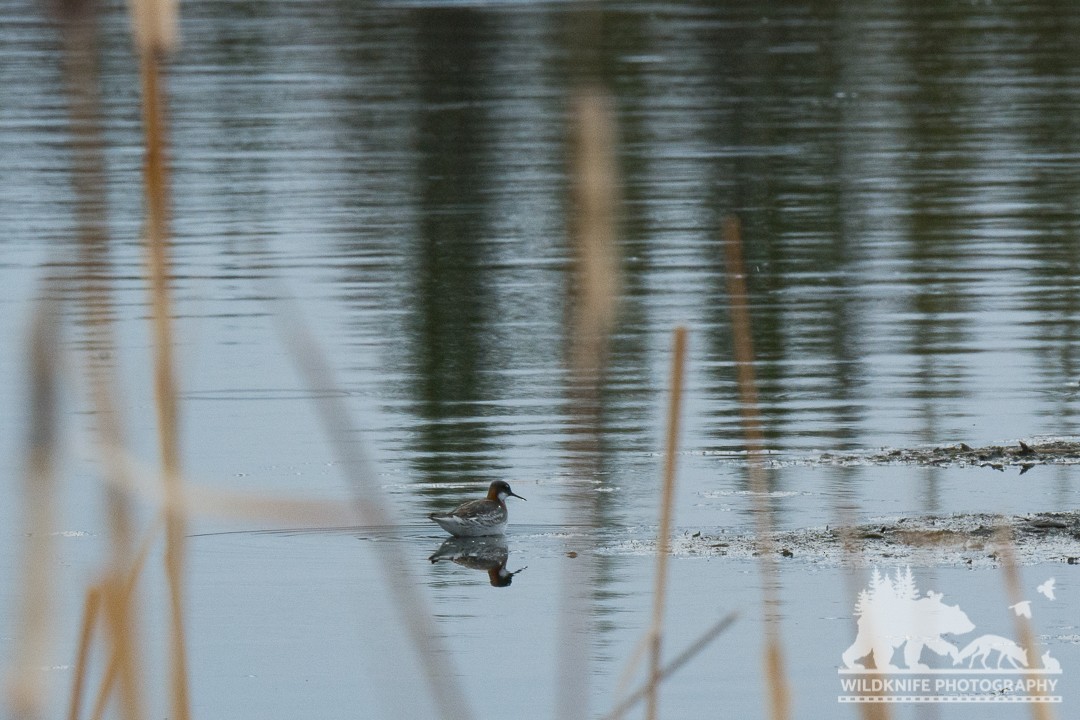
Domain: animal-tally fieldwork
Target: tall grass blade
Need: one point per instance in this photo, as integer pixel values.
(121, 652)
(1024, 633)
(91, 611)
(154, 26)
(663, 539)
(412, 608)
(592, 304)
(26, 691)
(667, 670)
(91, 201)
(774, 670)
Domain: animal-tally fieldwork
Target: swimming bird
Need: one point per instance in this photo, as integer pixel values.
(478, 517)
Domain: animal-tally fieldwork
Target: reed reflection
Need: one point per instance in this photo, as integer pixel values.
(451, 322)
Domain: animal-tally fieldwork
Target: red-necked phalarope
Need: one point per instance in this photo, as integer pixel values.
(478, 517)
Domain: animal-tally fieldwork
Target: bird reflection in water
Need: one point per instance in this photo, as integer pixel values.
(479, 553)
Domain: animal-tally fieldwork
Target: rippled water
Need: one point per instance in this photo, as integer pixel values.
(906, 176)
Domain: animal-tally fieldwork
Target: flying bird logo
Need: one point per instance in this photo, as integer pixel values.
(1022, 609)
(1047, 589)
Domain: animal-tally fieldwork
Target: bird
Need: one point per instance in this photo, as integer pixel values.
(478, 517)
(1022, 609)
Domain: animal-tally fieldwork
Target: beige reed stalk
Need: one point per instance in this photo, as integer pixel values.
(1011, 577)
(871, 710)
(592, 305)
(80, 55)
(26, 689)
(775, 676)
(154, 25)
(372, 509)
(681, 659)
(91, 610)
(117, 659)
(663, 535)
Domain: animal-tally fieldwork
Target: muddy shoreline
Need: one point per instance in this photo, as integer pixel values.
(1021, 454)
(958, 540)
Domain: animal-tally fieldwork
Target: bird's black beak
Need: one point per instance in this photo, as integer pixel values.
(514, 494)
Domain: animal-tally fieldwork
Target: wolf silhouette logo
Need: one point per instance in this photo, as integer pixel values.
(891, 613)
(984, 646)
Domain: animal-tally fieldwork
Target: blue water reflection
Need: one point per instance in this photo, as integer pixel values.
(906, 179)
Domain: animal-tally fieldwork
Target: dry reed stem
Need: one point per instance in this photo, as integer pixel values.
(681, 659)
(631, 664)
(414, 614)
(120, 653)
(26, 691)
(775, 674)
(595, 291)
(123, 662)
(873, 710)
(849, 543)
(153, 23)
(117, 600)
(105, 689)
(663, 536)
(592, 304)
(1024, 633)
(118, 507)
(194, 499)
(207, 502)
(91, 609)
(89, 181)
(112, 669)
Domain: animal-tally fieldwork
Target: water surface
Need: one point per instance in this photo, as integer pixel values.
(906, 179)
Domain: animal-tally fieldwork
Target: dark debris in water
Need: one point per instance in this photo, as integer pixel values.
(1021, 454)
(971, 540)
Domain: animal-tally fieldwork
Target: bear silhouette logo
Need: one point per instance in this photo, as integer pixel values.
(892, 614)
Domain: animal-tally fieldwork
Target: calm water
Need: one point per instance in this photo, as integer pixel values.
(907, 177)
